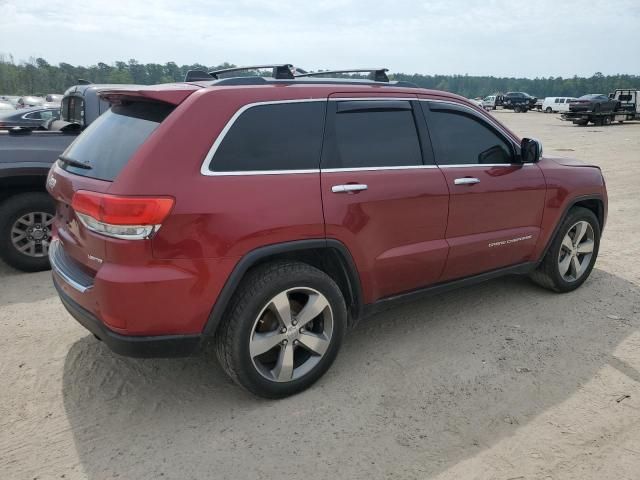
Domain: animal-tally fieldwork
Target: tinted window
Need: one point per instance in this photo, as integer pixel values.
(72, 110)
(372, 138)
(285, 136)
(33, 116)
(110, 141)
(461, 139)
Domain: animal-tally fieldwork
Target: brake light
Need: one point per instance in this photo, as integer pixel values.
(116, 216)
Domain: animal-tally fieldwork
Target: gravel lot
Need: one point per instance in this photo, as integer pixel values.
(503, 380)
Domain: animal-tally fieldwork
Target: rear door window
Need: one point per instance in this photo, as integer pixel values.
(374, 133)
(106, 146)
(280, 136)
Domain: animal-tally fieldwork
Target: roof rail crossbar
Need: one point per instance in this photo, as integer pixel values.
(379, 74)
(197, 75)
(281, 71)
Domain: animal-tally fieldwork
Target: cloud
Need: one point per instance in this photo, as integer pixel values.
(467, 36)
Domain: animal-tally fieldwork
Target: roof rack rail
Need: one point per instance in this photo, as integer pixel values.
(281, 71)
(197, 75)
(379, 74)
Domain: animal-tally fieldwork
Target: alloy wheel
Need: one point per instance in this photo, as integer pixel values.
(31, 234)
(291, 334)
(576, 251)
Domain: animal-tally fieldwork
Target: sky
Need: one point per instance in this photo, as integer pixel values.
(492, 37)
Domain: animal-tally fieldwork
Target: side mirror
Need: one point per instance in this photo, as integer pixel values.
(530, 150)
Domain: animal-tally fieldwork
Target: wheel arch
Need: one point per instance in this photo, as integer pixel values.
(329, 255)
(595, 203)
(24, 182)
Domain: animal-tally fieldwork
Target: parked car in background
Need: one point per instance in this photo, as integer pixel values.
(628, 99)
(29, 101)
(6, 105)
(158, 257)
(12, 99)
(518, 101)
(594, 102)
(622, 106)
(489, 102)
(28, 117)
(25, 159)
(556, 104)
(53, 98)
(538, 104)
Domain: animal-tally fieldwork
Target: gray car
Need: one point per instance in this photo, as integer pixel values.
(27, 117)
(29, 101)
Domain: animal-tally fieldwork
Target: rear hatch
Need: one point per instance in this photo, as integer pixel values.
(88, 218)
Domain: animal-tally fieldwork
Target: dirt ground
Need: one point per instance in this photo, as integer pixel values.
(503, 380)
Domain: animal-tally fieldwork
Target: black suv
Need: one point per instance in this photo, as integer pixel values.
(518, 101)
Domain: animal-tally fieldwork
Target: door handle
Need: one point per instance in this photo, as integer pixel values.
(466, 181)
(349, 187)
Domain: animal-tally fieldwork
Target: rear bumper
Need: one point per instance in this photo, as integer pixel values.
(129, 345)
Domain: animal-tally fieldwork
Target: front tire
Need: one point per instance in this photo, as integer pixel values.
(572, 254)
(283, 329)
(25, 230)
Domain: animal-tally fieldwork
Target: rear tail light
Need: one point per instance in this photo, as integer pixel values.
(133, 218)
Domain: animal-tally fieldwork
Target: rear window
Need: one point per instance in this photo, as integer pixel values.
(109, 142)
(284, 136)
(72, 110)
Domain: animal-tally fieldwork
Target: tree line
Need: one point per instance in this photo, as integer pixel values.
(37, 76)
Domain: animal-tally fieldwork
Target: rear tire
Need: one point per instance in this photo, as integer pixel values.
(517, 109)
(570, 242)
(269, 307)
(606, 121)
(548, 110)
(28, 254)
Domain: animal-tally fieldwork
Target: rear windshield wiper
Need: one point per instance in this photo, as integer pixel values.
(74, 163)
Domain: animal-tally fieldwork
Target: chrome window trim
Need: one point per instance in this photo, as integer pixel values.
(364, 169)
(463, 165)
(258, 172)
(204, 168)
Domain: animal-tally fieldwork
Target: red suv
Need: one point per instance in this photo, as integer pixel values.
(269, 215)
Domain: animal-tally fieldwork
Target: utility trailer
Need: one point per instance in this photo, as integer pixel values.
(627, 109)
